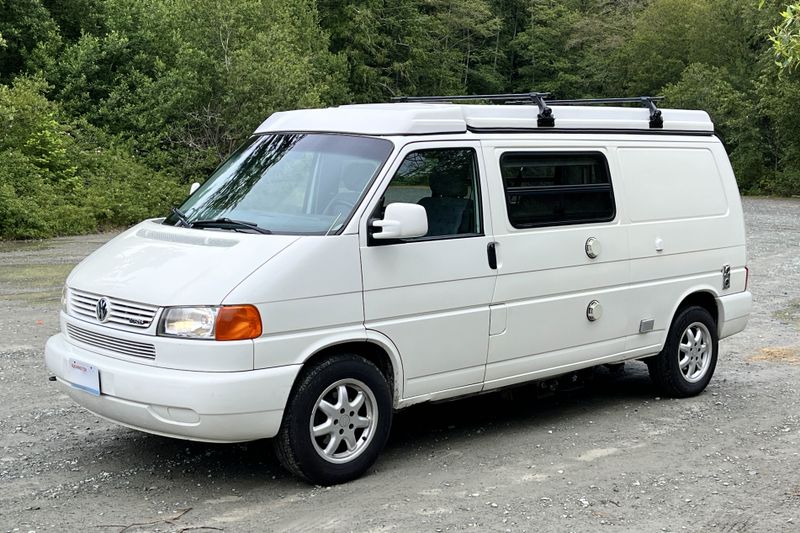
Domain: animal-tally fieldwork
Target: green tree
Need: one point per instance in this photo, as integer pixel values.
(185, 81)
(60, 177)
(544, 51)
(786, 37)
(408, 47)
(669, 35)
(708, 88)
(465, 28)
(778, 97)
(75, 17)
(23, 25)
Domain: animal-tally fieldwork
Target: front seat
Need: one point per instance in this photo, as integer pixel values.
(449, 212)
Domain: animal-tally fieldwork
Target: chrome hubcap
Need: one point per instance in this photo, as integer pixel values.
(343, 421)
(695, 351)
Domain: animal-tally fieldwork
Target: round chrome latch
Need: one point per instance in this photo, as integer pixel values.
(593, 247)
(594, 311)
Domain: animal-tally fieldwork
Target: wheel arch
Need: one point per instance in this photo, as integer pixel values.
(374, 347)
(704, 297)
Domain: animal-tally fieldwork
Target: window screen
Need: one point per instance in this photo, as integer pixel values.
(545, 189)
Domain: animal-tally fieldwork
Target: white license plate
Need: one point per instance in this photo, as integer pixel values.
(83, 376)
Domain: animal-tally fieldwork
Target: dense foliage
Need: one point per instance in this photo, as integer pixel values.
(109, 108)
(786, 37)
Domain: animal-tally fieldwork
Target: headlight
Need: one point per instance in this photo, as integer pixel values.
(225, 323)
(194, 322)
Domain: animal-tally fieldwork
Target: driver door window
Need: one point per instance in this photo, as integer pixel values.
(445, 182)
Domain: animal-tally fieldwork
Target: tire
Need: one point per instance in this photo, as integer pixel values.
(685, 365)
(350, 433)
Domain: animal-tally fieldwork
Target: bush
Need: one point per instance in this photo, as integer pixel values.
(783, 183)
(60, 178)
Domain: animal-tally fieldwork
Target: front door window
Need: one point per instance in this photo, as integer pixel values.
(445, 182)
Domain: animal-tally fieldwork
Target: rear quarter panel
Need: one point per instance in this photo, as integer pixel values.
(685, 221)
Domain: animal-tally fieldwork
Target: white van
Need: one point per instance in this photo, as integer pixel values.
(348, 262)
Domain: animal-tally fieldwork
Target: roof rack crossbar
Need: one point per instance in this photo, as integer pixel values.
(656, 120)
(545, 116)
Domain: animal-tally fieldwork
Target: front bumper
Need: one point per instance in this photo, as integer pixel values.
(203, 406)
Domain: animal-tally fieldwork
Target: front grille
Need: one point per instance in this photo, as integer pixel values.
(122, 312)
(112, 344)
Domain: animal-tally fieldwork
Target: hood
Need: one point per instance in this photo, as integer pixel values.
(165, 265)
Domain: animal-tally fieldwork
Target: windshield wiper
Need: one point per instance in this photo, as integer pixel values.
(181, 217)
(229, 224)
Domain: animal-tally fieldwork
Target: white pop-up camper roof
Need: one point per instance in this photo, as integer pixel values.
(523, 113)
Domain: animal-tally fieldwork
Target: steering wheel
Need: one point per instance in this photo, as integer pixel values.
(339, 205)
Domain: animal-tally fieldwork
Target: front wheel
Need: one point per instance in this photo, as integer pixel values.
(336, 422)
(685, 365)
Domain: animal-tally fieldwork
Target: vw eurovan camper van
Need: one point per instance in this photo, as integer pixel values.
(348, 262)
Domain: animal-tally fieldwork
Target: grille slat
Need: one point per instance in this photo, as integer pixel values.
(83, 303)
(122, 312)
(122, 343)
(112, 344)
(115, 311)
(84, 308)
(134, 308)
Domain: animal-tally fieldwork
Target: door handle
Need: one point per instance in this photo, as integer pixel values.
(491, 252)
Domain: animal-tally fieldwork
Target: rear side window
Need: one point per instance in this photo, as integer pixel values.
(546, 189)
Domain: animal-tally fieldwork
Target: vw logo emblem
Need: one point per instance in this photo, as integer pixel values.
(101, 309)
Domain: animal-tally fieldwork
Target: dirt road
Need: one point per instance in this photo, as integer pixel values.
(609, 457)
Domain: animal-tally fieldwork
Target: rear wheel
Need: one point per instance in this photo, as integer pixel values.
(685, 365)
(336, 421)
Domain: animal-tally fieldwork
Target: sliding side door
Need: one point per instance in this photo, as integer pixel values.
(561, 297)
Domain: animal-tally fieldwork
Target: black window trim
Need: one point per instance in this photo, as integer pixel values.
(559, 188)
(371, 241)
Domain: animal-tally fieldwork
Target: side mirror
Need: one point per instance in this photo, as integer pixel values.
(193, 188)
(401, 221)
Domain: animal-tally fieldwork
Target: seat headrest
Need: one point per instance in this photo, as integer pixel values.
(449, 183)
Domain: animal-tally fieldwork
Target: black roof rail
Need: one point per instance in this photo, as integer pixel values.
(545, 116)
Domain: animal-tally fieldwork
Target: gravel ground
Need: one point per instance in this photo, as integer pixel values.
(611, 456)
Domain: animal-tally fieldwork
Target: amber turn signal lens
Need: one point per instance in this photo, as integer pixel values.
(237, 322)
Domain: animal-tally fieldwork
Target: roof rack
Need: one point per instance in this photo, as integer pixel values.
(545, 116)
(656, 120)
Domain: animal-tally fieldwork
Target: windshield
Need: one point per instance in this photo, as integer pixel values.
(288, 183)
